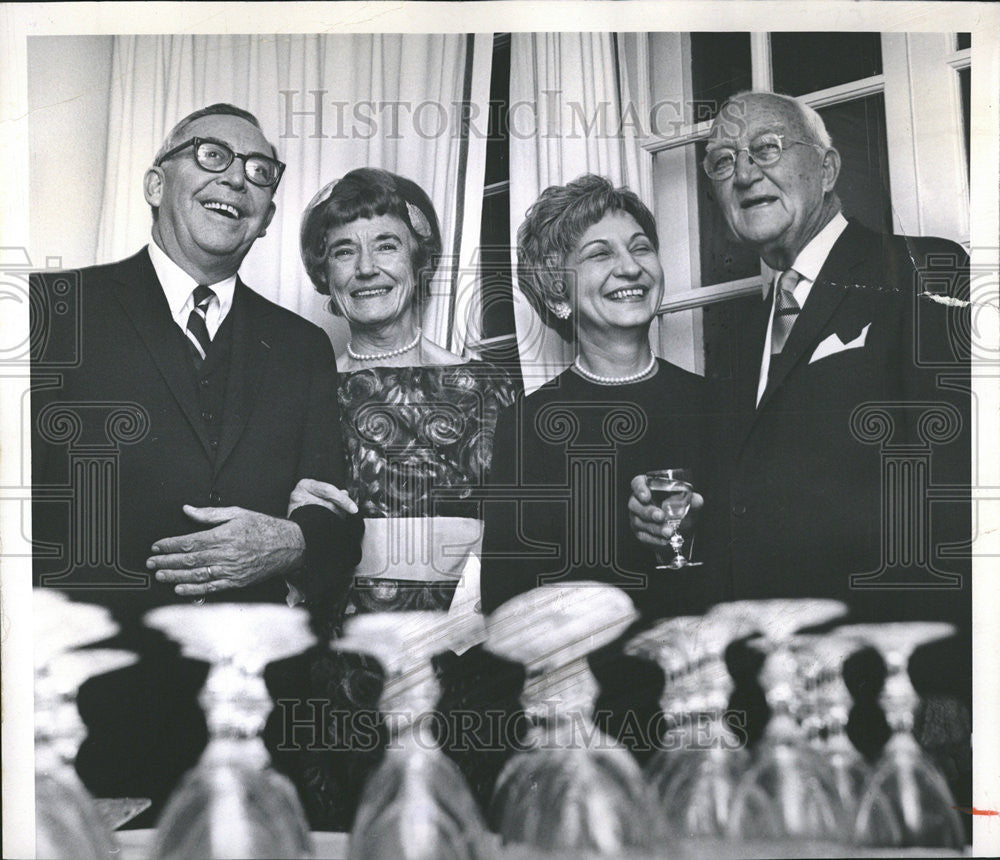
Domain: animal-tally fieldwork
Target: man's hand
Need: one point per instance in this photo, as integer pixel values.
(647, 519)
(311, 492)
(244, 547)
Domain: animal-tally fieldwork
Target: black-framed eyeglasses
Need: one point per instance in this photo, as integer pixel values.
(215, 157)
(764, 150)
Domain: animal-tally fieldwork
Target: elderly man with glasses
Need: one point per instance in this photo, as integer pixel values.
(848, 418)
(229, 401)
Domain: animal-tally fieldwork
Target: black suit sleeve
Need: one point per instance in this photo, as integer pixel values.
(939, 329)
(333, 542)
(53, 341)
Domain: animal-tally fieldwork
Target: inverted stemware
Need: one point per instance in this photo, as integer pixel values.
(907, 802)
(696, 772)
(68, 821)
(788, 791)
(830, 708)
(233, 804)
(573, 789)
(416, 804)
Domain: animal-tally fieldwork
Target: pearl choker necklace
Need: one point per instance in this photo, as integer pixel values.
(378, 356)
(616, 380)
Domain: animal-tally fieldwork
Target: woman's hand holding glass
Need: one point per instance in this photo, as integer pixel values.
(650, 523)
(309, 491)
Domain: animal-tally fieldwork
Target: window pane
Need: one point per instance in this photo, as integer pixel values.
(720, 66)
(722, 257)
(965, 85)
(858, 131)
(964, 41)
(806, 62)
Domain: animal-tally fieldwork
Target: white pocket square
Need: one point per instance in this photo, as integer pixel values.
(833, 344)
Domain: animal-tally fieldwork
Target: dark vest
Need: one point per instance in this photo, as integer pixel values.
(210, 380)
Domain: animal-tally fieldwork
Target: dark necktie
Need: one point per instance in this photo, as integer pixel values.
(786, 310)
(197, 329)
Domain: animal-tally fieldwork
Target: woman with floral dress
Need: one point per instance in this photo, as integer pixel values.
(417, 424)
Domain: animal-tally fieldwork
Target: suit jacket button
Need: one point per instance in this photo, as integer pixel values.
(215, 498)
(739, 510)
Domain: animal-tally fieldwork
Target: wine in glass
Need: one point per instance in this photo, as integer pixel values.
(672, 491)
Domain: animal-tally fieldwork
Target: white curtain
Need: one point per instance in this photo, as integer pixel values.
(572, 80)
(330, 103)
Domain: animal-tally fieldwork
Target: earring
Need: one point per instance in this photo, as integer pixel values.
(562, 310)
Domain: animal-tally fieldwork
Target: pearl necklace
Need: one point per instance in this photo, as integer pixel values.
(615, 380)
(378, 356)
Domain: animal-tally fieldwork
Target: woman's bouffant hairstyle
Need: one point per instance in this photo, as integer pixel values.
(554, 224)
(369, 192)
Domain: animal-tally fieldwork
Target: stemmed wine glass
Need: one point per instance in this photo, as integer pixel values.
(68, 821)
(830, 708)
(788, 791)
(907, 802)
(672, 490)
(232, 804)
(696, 772)
(573, 789)
(416, 804)
(667, 643)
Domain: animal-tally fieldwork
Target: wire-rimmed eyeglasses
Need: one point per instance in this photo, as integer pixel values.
(215, 157)
(764, 150)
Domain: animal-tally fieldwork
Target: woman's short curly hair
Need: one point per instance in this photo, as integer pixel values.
(554, 224)
(369, 192)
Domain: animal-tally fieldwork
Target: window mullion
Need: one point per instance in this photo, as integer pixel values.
(761, 75)
(467, 255)
(700, 297)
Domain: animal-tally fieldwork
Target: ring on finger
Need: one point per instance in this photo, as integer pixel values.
(208, 571)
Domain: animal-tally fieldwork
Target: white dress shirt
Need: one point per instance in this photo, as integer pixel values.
(808, 264)
(178, 286)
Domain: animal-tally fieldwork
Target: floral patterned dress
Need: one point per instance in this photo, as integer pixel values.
(418, 441)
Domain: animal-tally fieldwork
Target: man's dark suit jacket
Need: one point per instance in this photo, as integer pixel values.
(809, 462)
(807, 508)
(119, 444)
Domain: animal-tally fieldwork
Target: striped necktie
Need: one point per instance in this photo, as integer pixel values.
(197, 329)
(786, 310)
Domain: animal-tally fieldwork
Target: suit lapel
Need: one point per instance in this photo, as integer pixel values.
(249, 356)
(828, 292)
(138, 290)
(750, 350)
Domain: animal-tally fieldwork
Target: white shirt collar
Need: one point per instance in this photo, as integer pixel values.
(811, 258)
(178, 286)
(808, 264)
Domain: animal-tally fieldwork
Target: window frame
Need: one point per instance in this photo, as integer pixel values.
(472, 340)
(466, 329)
(911, 63)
